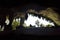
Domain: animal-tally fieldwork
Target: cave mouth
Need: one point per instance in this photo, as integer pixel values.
(35, 20)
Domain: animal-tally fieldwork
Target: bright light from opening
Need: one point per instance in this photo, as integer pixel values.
(7, 21)
(1, 28)
(37, 22)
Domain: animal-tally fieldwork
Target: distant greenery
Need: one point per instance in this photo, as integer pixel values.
(15, 24)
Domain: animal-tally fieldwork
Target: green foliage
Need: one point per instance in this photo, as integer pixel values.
(15, 24)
